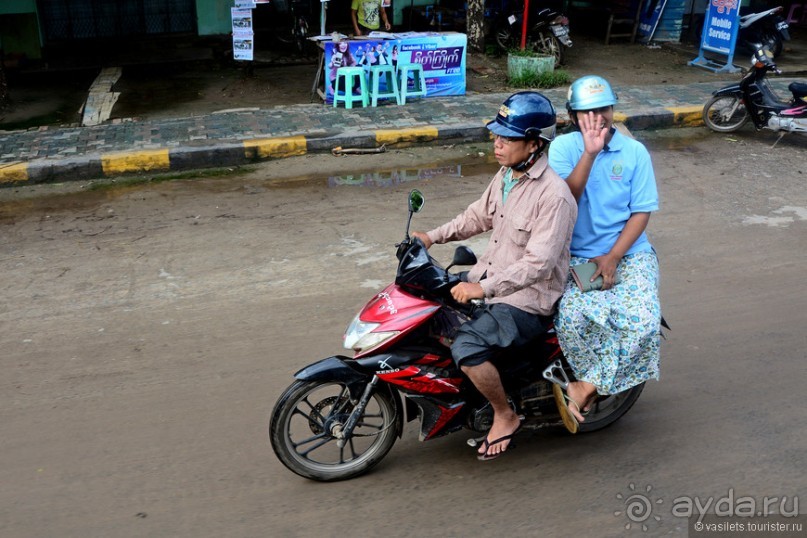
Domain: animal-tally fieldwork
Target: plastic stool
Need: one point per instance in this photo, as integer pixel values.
(419, 89)
(348, 75)
(376, 71)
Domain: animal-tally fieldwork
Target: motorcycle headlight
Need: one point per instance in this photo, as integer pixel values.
(360, 336)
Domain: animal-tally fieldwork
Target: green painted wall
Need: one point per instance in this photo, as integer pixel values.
(213, 16)
(19, 36)
(398, 6)
(17, 6)
(19, 29)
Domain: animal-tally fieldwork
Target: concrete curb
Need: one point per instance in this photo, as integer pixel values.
(227, 153)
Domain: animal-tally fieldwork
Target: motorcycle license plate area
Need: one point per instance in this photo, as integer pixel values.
(559, 30)
(782, 25)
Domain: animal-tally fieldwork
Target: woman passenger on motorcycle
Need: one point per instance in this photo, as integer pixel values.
(522, 272)
(610, 337)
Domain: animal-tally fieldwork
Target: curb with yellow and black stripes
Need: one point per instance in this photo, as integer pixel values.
(223, 154)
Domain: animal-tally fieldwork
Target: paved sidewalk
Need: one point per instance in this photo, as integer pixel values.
(241, 137)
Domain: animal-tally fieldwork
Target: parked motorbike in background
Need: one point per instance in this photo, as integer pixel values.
(754, 98)
(342, 415)
(548, 31)
(766, 29)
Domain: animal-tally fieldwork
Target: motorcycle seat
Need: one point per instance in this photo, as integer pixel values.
(798, 89)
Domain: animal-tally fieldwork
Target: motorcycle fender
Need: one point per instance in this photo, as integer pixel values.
(734, 89)
(335, 368)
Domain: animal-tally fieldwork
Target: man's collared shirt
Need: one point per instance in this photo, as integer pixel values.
(526, 262)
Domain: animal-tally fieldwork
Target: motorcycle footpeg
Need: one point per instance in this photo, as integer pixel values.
(555, 374)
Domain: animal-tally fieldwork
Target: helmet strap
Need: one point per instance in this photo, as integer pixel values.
(524, 165)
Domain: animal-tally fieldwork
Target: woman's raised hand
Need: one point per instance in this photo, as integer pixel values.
(594, 129)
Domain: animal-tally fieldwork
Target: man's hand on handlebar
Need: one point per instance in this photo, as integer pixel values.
(423, 237)
(465, 291)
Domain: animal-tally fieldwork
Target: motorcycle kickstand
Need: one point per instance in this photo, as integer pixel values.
(549, 374)
(781, 136)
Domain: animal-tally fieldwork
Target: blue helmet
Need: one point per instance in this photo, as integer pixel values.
(590, 92)
(525, 115)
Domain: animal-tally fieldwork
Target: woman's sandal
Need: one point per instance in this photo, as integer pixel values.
(562, 401)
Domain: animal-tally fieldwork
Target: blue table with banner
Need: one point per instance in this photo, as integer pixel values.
(442, 55)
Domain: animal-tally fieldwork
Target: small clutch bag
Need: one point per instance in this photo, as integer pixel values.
(582, 276)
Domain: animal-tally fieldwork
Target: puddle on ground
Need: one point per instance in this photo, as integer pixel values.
(389, 177)
(19, 202)
(683, 139)
(51, 198)
(393, 177)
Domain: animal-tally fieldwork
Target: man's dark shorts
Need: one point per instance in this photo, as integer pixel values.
(494, 328)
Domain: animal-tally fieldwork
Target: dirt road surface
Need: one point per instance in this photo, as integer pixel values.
(148, 330)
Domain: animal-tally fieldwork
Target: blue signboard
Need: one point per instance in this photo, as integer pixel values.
(649, 19)
(719, 34)
(442, 56)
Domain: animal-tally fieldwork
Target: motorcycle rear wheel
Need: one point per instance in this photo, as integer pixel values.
(545, 42)
(608, 409)
(307, 418)
(725, 113)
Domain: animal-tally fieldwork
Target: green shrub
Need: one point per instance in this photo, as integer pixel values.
(548, 79)
(519, 52)
(491, 49)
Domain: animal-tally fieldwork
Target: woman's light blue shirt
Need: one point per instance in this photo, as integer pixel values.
(621, 183)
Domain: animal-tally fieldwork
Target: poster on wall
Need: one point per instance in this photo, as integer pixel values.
(242, 20)
(243, 34)
(719, 35)
(243, 47)
(442, 57)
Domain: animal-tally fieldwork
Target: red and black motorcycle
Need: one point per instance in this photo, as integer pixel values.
(342, 415)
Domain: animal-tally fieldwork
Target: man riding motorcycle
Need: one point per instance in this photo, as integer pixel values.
(523, 271)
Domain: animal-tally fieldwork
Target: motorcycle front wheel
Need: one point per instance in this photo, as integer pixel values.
(306, 425)
(725, 113)
(608, 409)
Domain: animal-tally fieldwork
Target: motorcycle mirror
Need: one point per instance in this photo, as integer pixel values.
(463, 256)
(416, 201)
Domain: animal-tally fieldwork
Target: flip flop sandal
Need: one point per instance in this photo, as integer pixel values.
(487, 444)
(562, 401)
